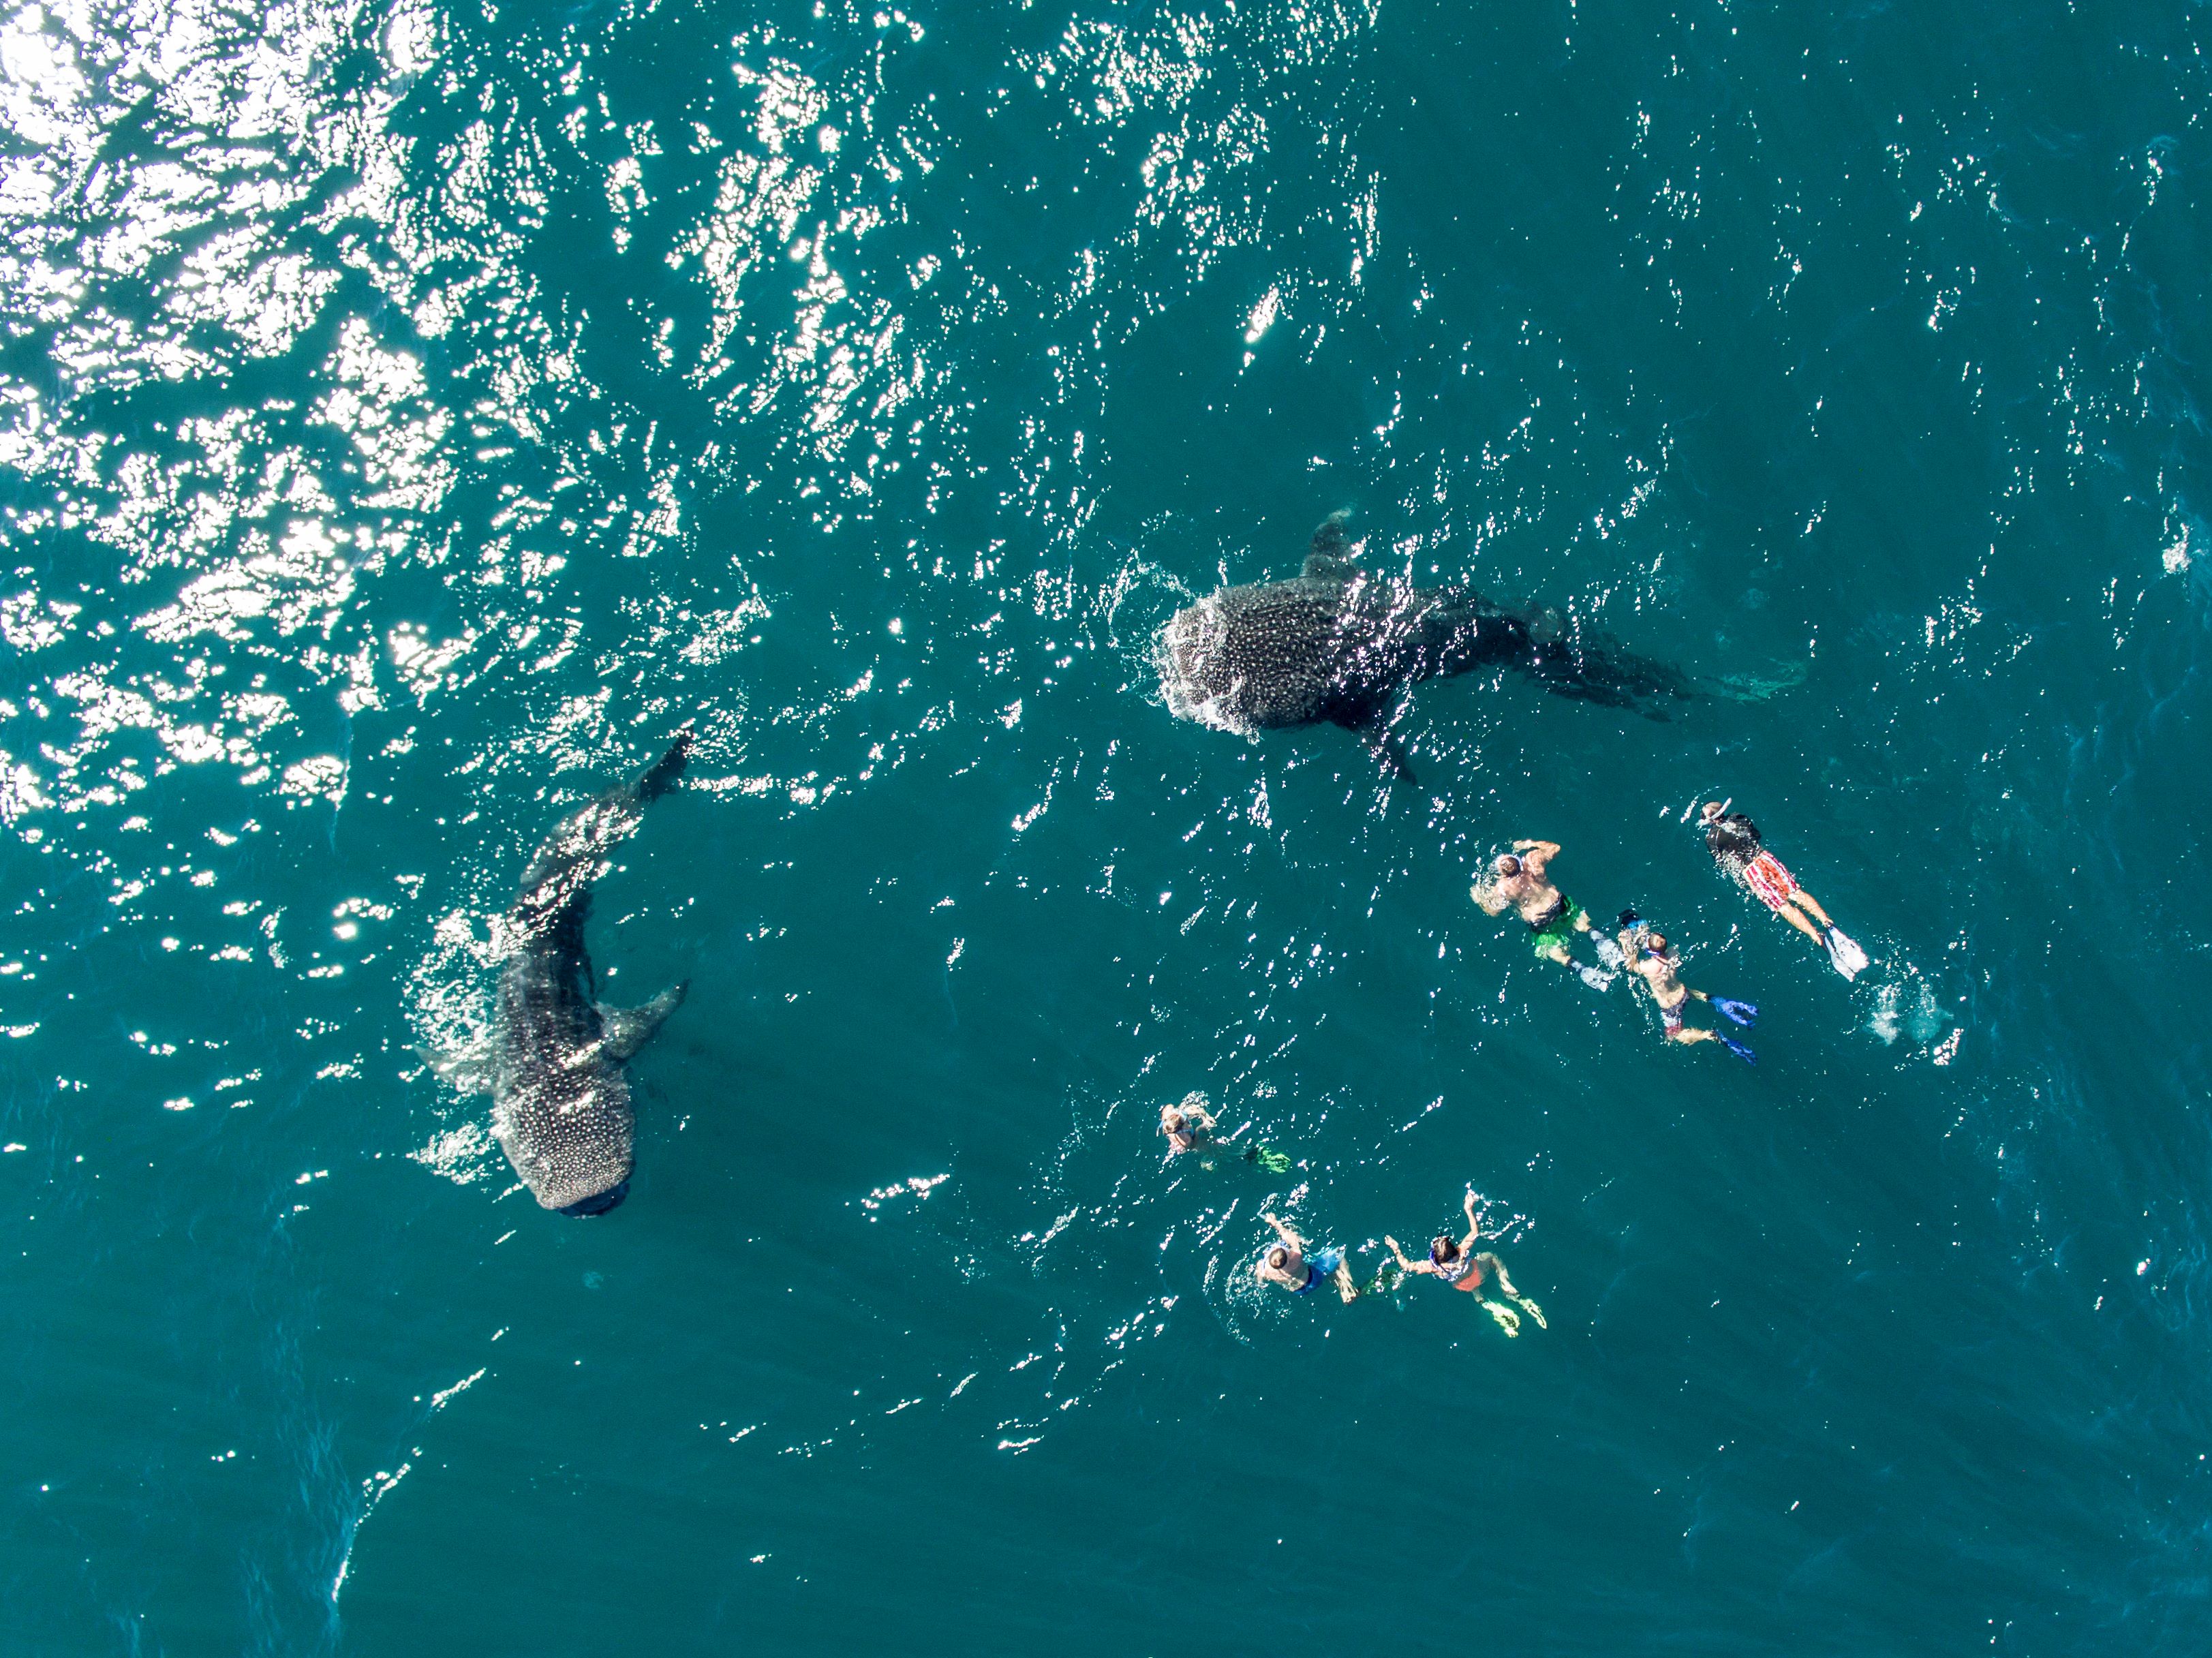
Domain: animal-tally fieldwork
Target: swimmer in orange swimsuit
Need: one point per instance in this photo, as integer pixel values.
(1454, 1261)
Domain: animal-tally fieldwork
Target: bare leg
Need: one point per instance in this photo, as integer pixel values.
(1813, 904)
(1790, 913)
(1690, 1033)
(1558, 953)
(1496, 1268)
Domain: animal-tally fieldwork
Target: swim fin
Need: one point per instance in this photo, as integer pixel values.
(1736, 1048)
(1608, 952)
(1850, 960)
(1596, 978)
(1741, 1012)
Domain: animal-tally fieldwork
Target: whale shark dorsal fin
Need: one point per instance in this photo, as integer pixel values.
(623, 1030)
(1331, 556)
(1331, 567)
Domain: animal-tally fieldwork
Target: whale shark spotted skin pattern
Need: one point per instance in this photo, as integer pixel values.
(553, 1064)
(1338, 645)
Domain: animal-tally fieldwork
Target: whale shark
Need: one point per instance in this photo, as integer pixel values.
(553, 1059)
(1337, 644)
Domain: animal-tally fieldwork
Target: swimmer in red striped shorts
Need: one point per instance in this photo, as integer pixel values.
(1733, 839)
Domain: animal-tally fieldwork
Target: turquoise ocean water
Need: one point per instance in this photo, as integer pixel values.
(410, 413)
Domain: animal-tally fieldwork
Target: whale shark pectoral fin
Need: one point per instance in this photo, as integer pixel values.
(626, 1030)
(469, 1070)
(1389, 752)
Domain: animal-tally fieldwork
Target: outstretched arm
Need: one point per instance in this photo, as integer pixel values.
(1473, 1226)
(1405, 1264)
(1281, 1231)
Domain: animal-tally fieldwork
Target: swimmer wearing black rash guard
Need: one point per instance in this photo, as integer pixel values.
(1733, 839)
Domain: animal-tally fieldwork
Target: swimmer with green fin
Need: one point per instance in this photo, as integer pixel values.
(1519, 880)
(1190, 1128)
(1456, 1262)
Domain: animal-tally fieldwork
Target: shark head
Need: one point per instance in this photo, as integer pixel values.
(1197, 681)
(570, 1132)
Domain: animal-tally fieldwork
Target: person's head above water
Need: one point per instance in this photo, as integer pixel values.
(1507, 865)
(1445, 1248)
(1728, 835)
(1278, 1258)
(1172, 1120)
(1654, 944)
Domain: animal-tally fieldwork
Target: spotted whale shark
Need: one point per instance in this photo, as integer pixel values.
(1338, 644)
(553, 1061)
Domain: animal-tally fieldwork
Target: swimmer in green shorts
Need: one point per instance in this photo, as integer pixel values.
(1518, 880)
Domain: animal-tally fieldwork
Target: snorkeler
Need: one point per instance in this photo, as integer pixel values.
(1521, 882)
(1287, 1264)
(1190, 1128)
(1733, 840)
(1650, 960)
(1454, 1261)
(1188, 1125)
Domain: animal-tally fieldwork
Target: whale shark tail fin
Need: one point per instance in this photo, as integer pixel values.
(1595, 668)
(557, 888)
(623, 1030)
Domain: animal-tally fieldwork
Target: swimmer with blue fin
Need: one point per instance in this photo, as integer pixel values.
(1287, 1264)
(1651, 959)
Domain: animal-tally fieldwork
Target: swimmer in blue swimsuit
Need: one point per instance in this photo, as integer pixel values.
(1287, 1263)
